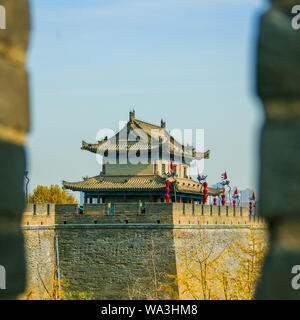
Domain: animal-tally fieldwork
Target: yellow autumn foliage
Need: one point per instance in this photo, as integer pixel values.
(61, 289)
(53, 194)
(216, 270)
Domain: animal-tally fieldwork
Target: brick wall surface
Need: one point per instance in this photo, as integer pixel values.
(115, 256)
(14, 125)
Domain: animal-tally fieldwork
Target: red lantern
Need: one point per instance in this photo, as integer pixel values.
(234, 203)
(205, 185)
(250, 207)
(167, 197)
(215, 201)
(223, 202)
(205, 191)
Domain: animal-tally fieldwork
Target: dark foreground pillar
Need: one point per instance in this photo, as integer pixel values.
(279, 200)
(14, 125)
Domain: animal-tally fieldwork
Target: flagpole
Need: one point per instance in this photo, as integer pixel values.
(173, 173)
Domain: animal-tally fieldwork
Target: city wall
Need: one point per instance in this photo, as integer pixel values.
(116, 251)
(136, 213)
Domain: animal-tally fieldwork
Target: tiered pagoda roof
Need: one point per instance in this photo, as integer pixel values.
(153, 138)
(146, 137)
(138, 183)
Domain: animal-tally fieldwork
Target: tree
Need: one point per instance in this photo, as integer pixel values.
(250, 256)
(52, 194)
(212, 266)
(202, 258)
(62, 290)
(155, 284)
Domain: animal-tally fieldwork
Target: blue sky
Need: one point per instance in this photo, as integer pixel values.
(190, 62)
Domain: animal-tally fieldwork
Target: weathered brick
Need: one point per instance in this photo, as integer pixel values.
(285, 5)
(114, 259)
(278, 78)
(14, 40)
(12, 258)
(14, 99)
(278, 66)
(280, 174)
(277, 275)
(12, 172)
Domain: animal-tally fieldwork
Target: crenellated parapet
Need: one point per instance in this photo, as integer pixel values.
(137, 213)
(105, 247)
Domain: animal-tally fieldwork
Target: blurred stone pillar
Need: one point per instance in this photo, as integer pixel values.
(14, 125)
(278, 85)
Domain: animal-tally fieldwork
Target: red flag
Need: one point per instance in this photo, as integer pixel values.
(171, 167)
(198, 172)
(236, 191)
(253, 195)
(224, 176)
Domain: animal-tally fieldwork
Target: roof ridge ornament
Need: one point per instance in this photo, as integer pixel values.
(131, 115)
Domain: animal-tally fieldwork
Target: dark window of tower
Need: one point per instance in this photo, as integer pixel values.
(160, 147)
(185, 172)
